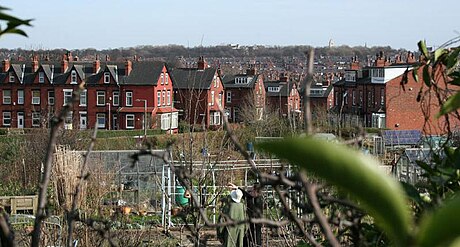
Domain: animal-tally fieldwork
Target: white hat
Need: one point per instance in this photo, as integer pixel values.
(236, 195)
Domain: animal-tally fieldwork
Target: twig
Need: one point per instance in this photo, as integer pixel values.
(311, 193)
(56, 123)
(83, 176)
(308, 82)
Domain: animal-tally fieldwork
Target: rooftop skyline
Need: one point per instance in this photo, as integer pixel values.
(113, 24)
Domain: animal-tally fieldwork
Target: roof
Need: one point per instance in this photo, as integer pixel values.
(193, 78)
(144, 73)
(229, 81)
(283, 92)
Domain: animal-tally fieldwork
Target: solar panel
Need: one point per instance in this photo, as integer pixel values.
(401, 137)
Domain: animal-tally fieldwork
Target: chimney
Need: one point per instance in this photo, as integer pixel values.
(5, 65)
(354, 63)
(251, 71)
(107, 58)
(380, 61)
(69, 56)
(96, 65)
(64, 63)
(410, 57)
(283, 77)
(34, 63)
(128, 67)
(202, 63)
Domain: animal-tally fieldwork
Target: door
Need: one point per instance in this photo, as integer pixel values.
(20, 120)
(83, 121)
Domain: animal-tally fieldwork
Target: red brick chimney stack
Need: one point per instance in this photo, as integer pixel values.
(5, 65)
(96, 65)
(64, 63)
(128, 67)
(34, 63)
(410, 57)
(107, 58)
(354, 63)
(202, 65)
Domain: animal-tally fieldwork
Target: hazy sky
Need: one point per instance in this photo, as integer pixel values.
(102, 24)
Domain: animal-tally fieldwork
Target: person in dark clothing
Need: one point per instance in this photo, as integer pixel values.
(255, 206)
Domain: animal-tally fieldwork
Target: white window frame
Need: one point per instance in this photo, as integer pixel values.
(130, 117)
(35, 119)
(100, 98)
(106, 77)
(212, 97)
(67, 97)
(73, 77)
(116, 98)
(129, 98)
(20, 97)
(51, 98)
(168, 96)
(98, 117)
(165, 121)
(83, 97)
(163, 93)
(6, 119)
(219, 99)
(382, 96)
(354, 97)
(35, 98)
(6, 98)
(68, 120)
(12, 78)
(229, 97)
(41, 77)
(166, 78)
(162, 78)
(159, 98)
(215, 118)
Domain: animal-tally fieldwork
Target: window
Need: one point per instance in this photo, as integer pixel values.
(50, 97)
(219, 100)
(83, 97)
(215, 118)
(100, 120)
(166, 78)
(361, 96)
(129, 98)
(106, 77)
(162, 78)
(229, 96)
(20, 97)
(165, 118)
(116, 98)
(100, 98)
(67, 96)
(212, 97)
(164, 97)
(41, 77)
(130, 121)
(345, 97)
(35, 119)
(382, 96)
(159, 98)
(68, 120)
(336, 98)
(215, 82)
(6, 118)
(11, 77)
(35, 97)
(274, 89)
(73, 77)
(6, 97)
(169, 97)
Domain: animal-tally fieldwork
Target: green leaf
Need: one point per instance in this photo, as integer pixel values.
(451, 104)
(439, 53)
(422, 48)
(452, 58)
(426, 75)
(442, 227)
(353, 172)
(412, 193)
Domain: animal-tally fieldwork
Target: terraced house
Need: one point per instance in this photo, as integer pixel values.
(112, 95)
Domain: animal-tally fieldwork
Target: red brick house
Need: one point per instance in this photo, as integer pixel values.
(244, 90)
(199, 92)
(283, 96)
(114, 95)
(403, 112)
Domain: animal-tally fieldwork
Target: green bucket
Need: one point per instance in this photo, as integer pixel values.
(180, 198)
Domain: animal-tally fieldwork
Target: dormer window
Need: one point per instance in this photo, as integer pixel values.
(241, 80)
(350, 76)
(41, 77)
(106, 77)
(274, 89)
(73, 77)
(11, 77)
(378, 72)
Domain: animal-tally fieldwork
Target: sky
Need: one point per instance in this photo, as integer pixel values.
(110, 24)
